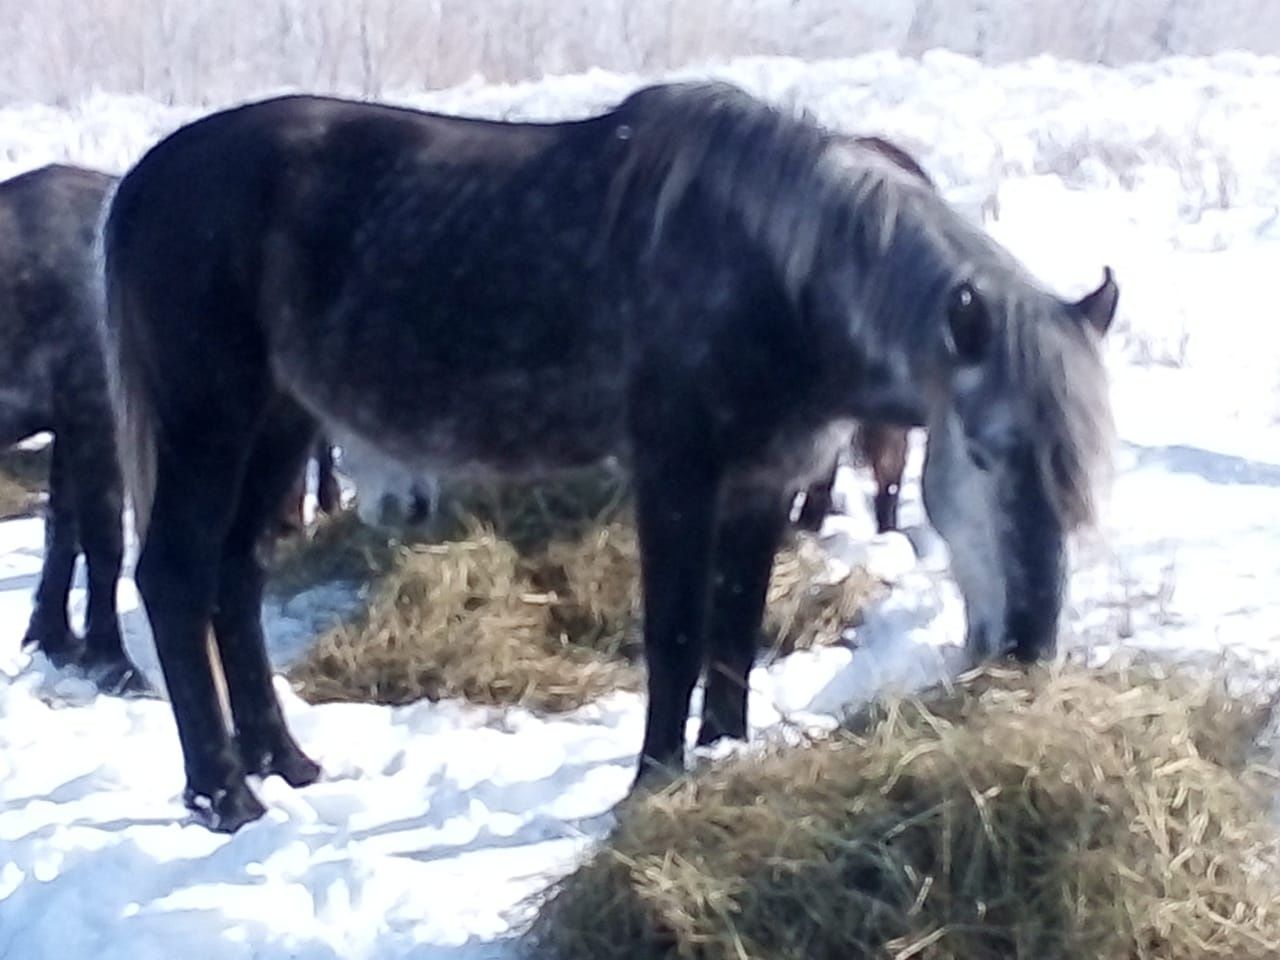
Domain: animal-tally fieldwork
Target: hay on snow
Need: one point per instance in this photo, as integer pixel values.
(1055, 814)
(519, 593)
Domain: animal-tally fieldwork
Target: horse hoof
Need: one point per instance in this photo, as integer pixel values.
(810, 522)
(287, 761)
(711, 732)
(61, 648)
(1027, 654)
(116, 676)
(225, 811)
(652, 777)
(297, 769)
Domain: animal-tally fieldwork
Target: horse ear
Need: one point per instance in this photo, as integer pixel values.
(1098, 309)
(968, 325)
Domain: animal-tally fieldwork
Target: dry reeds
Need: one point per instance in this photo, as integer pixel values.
(1050, 815)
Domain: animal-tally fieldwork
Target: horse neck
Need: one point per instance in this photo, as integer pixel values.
(882, 344)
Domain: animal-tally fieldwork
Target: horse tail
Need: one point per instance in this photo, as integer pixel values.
(131, 405)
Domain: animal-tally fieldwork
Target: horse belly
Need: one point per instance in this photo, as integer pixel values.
(518, 422)
(26, 396)
(488, 359)
(525, 423)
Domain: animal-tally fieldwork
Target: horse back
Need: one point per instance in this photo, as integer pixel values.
(48, 224)
(48, 296)
(400, 273)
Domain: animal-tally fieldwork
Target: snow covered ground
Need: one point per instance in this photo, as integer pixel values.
(435, 821)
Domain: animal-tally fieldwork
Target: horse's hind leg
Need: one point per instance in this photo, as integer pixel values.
(264, 743)
(99, 507)
(197, 478)
(49, 629)
(750, 529)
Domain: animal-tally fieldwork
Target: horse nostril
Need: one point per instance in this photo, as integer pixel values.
(981, 459)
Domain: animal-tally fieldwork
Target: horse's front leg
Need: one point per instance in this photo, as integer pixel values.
(675, 514)
(751, 526)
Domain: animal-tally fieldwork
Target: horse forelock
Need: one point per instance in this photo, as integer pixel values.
(1061, 374)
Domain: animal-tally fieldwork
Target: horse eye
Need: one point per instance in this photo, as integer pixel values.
(968, 325)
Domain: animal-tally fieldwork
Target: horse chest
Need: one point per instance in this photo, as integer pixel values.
(793, 459)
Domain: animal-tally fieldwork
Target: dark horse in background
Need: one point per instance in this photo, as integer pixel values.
(881, 446)
(293, 516)
(705, 287)
(52, 378)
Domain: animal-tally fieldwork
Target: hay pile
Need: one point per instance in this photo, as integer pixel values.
(523, 594)
(24, 478)
(460, 618)
(1051, 816)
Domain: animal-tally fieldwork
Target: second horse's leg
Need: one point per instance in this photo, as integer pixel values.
(885, 448)
(817, 502)
(49, 629)
(328, 494)
(100, 505)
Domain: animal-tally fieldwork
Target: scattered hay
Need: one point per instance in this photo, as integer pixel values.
(458, 619)
(526, 514)
(806, 607)
(338, 549)
(530, 514)
(1056, 814)
(592, 585)
(16, 500)
(24, 478)
(531, 597)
